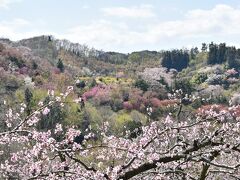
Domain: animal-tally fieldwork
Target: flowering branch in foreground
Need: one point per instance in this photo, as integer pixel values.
(204, 147)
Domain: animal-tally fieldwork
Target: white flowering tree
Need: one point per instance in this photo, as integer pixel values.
(204, 147)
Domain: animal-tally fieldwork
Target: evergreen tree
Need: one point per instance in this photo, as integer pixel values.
(60, 65)
(177, 59)
(193, 52)
(221, 53)
(204, 47)
(28, 98)
(166, 60)
(231, 55)
(212, 55)
(141, 84)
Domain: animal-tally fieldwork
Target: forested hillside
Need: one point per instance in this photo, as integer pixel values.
(70, 98)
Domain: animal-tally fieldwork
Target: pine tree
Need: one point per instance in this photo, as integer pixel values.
(204, 47)
(212, 55)
(221, 53)
(231, 57)
(28, 98)
(60, 65)
(177, 59)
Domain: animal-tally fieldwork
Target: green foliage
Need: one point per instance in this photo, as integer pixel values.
(122, 118)
(134, 127)
(92, 83)
(49, 121)
(135, 57)
(197, 103)
(138, 117)
(31, 98)
(92, 116)
(116, 104)
(119, 122)
(163, 82)
(204, 47)
(81, 84)
(199, 78)
(221, 53)
(113, 80)
(199, 61)
(19, 96)
(216, 53)
(222, 99)
(28, 98)
(193, 52)
(177, 59)
(113, 57)
(143, 57)
(74, 115)
(233, 57)
(17, 61)
(60, 65)
(184, 84)
(141, 84)
(11, 83)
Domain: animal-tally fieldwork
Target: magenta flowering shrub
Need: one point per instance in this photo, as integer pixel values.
(203, 147)
(91, 93)
(103, 95)
(127, 105)
(100, 93)
(138, 101)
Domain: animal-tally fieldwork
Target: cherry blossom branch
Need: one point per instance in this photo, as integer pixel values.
(205, 167)
(165, 159)
(84, 165)
(232, 174)
(15, 130)
(220, 165)
(53, 172)
(172, 172)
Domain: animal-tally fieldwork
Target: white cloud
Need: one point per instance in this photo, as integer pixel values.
(142, 11)
(220, 23)
(197, 25)
(17, 29)
(5, 3)
(99, 33)
(221, 20)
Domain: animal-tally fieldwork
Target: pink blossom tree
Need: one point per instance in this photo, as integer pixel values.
(204, 147)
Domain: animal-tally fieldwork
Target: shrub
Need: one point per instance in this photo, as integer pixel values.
(184, 84)
(80, 84)
(199, 78)
(215, 79)
(141, 84)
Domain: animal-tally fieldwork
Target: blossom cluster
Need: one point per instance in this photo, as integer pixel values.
(206, 146)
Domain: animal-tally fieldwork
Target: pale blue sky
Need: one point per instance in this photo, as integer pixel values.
(124, 25)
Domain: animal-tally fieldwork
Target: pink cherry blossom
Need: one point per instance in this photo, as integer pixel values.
(45, 111)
